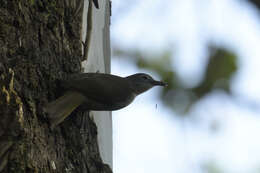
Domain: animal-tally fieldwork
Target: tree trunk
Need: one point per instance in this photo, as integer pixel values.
(40, 44)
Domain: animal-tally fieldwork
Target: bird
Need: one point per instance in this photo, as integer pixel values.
(98, 92)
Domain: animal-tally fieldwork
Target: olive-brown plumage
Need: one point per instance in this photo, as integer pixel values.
(98, 91)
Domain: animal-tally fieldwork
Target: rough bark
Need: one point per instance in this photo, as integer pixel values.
(39, 45)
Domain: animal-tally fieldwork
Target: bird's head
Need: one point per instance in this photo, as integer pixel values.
(142, 82)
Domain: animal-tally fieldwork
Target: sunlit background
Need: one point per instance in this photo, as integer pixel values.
(208, 118)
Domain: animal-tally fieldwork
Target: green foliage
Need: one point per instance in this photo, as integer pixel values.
(212, 167)
(162, 66)
(222, 65)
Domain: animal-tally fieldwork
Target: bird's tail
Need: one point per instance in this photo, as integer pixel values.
(59, 109)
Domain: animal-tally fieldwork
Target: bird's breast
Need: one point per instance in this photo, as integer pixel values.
(107, 105)
(124, 103)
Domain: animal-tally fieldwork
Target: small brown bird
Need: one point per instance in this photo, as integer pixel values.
(99, 92)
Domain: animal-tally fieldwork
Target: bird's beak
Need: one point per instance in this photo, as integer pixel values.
(159, 83)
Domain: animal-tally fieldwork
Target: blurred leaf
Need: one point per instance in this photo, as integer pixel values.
(162, 65)
(211, 167)
(158, 63)
(221, 67)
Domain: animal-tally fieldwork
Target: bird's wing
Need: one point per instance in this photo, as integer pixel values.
(103, 88)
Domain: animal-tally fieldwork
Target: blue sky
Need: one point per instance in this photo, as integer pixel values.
(150, 139)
